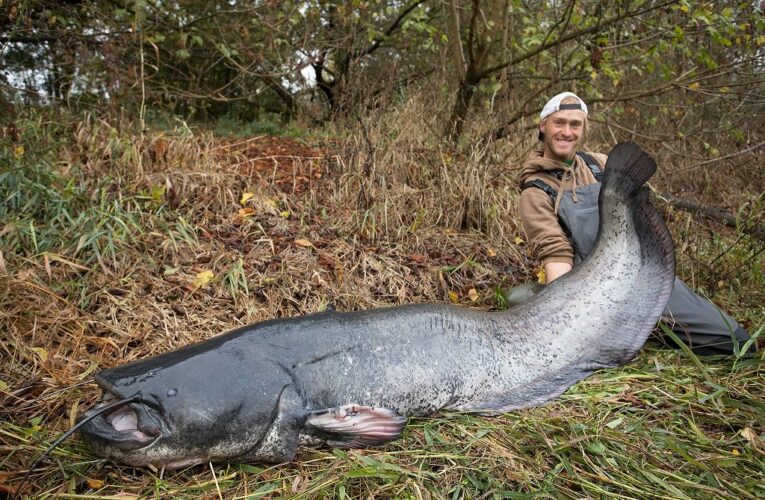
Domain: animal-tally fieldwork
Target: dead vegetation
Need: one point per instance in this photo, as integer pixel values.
(116, 246)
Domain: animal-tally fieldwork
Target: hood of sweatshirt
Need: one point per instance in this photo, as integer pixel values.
(535, 164)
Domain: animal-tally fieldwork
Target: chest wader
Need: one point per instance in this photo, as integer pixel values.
(695, 320)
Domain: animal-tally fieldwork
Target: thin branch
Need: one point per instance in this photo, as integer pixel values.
(572, 36)
(391, 29)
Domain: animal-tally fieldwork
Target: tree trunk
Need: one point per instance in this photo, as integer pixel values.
(715, 214)
(461, 107)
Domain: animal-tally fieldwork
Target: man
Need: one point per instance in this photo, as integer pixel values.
(559, 210)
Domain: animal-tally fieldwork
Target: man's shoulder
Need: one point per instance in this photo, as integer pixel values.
(543, 176)
(599, 158)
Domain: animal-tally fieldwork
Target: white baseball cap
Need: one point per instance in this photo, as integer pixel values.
(554, 105)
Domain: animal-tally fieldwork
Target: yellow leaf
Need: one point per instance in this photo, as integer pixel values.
(202, 279)
(19, 151)
(453, 296)
(541, 276)
(303, 242)
(473, 294)
(735, 452)
(694, 86)
(245, 197)
(491, 252)
(42, 353)
(519, 240)
(3, 386)
(95, 483)
(285, 214)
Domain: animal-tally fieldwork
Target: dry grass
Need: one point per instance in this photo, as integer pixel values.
(107, 234)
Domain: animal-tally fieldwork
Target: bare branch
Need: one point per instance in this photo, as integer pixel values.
(573, 35)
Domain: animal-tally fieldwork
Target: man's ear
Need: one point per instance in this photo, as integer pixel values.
(542, 125)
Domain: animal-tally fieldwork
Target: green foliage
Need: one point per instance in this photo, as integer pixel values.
(46, 211)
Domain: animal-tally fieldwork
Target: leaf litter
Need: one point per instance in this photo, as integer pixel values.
(197, 266)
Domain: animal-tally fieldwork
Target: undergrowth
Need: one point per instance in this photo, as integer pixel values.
(116, 245)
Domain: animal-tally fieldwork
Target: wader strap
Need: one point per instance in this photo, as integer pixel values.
(592, 165)
(552, 193)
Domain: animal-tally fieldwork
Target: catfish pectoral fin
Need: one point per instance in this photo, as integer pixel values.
(355, 426)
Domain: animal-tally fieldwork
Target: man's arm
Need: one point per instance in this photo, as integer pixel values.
(554, 270)
(546, 237)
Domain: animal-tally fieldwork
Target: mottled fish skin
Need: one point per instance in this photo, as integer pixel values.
(247, 394)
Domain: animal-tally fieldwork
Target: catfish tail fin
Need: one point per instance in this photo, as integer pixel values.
(634, 165)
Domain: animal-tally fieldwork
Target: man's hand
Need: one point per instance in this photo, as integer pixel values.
(554, 270)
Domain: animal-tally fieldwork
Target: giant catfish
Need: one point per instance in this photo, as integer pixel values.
(351, 379)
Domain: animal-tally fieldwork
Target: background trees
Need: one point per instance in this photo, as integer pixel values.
(490, 63)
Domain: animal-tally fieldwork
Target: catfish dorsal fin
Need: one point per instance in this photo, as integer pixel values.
(355, 426)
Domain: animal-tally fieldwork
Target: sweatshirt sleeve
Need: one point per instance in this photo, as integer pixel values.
(548, 241)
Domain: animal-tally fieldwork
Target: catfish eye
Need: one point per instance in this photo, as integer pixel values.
(172, 392)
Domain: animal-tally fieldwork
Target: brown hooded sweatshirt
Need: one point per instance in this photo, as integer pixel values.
(540, 220)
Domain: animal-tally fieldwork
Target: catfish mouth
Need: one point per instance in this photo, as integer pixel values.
(129, 426)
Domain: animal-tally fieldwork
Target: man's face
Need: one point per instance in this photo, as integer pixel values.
(562, 131)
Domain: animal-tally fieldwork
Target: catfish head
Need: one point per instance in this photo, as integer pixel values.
(215, 400)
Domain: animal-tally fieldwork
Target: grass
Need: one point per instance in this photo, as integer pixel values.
(116, 246)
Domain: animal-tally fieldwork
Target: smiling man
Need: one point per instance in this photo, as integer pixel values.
(557, 167)
(559, 208)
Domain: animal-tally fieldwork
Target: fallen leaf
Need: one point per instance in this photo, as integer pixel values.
(95, 484)
(453, 296)
(245, 212)
(202, 279)
(519, 240)
(42, 353)
(303, 242)
(541, 276)
(473, 294)
(491, 252)
(245, 197)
